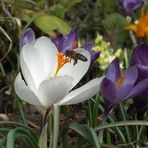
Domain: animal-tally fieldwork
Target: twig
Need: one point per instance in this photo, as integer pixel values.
(10, 45)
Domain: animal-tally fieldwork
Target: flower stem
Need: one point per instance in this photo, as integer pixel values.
(56, 125)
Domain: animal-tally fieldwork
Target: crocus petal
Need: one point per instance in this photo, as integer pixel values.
(59, 42)
(27, 38)
(123, 92)
(140, 55)
(142, 72)
(88, 46)
(33, 62)
(108, 90)
(94, 55)
(138, 5)
(113, 72)
(131, 75)
(78, 70)
(27, 75)
(83, 93)
(24, 92)
(131, 5)
(71, 40)
(53, 90)
(48, 53)
(140, 101)
(138, 89)
(39, 63)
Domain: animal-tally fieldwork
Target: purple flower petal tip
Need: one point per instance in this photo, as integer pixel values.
(140, 55)
(88, 46)
(113, 72)
(67, 42)
(58, 41)
(94, 55)
(131, 5)
(27, 37)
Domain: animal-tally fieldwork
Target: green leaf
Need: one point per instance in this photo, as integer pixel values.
(11, 139)
(114, 24)
(86, 132)
(21, 133)
(122, 123)
(2, 142)
(48, 23)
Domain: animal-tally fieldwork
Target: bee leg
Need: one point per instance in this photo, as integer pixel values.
(70, 60)
(75, 62)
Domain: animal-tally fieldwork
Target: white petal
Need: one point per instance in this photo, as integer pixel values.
(48, 52)
(24, 92)
(34, 64)
(78, 70)
(53, 90)
(40, 59)
(27, 75)
(83, 93)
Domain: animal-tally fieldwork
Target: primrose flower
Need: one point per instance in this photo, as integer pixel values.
(141, 27)
(131, 5)
(105, 57)
(70, 42)
(140, 59)
(47, 76)
(119, 85)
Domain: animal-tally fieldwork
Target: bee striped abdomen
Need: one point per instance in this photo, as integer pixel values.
(81, 57)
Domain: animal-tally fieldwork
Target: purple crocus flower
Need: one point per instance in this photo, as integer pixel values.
(140, 59)
(119, 85)
(70, 42)
(131, 5)
(63, 43)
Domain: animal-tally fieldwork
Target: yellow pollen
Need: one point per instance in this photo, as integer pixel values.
(121, 80)
(61, 61)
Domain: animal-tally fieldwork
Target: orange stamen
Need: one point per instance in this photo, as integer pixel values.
(74, 44)
(61, 61)
(121, 80)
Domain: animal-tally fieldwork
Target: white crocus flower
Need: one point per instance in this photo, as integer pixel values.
(48, 76)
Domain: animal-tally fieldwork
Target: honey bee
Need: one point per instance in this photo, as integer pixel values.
(73, 55)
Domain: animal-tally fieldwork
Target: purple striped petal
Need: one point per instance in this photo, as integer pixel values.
(108, 91)
(131, 75)
(131, 5)
(71, 40)
(123, 91)
(94, 55)
(88, 46)
(113, 72)
(140, 55)
(27, 37)
(141, 100)
(142, 72)
(139, 89)
(59, 43)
